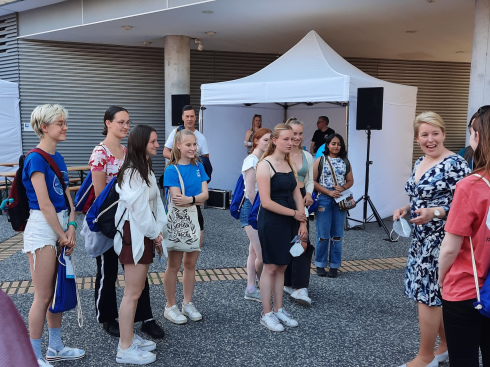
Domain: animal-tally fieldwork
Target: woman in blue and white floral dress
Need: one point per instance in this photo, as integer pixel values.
(430, 187)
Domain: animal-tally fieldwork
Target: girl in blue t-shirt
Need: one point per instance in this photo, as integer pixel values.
(48, 224)
(183, 160)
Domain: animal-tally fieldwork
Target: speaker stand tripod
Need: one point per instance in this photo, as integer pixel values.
(367, 200)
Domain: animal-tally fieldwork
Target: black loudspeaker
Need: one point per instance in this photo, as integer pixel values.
(369, 108)
(179, 101)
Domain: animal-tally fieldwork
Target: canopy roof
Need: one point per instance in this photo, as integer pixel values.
(311, 71)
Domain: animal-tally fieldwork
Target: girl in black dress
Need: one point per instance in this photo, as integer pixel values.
(281, 217)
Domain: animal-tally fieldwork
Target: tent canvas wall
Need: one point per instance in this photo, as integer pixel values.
(312, 72)
(10, 133)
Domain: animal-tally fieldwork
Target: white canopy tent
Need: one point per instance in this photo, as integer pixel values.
(10, 133)
(310, 80)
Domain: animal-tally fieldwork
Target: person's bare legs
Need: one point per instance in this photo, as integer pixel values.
(254, 261)
(278, 287)
(134, 276)
(43, 279)
(170, 278)
(190, 259)
(442, 338)
(267, 284)
(429, 322)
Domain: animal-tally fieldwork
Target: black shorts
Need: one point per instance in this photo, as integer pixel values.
(200, 218)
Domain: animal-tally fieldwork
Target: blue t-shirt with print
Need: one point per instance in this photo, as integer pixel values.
(193, 177)
(36, 163)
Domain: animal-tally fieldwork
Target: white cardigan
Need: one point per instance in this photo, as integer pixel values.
(309, 183)
(146, 215)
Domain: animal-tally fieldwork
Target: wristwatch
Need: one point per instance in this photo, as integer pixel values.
(437, 213)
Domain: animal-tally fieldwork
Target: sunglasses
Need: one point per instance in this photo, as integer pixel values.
(481, 111)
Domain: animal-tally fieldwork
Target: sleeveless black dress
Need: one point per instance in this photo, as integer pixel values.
(276, 231)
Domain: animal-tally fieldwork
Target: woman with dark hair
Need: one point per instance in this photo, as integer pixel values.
(184, 169)
(281, 218)
(430, 187)
(329, 218)
(467, 230)
(105, 162)
(249, 135)
(50, 226)
(141, 221)
(254, 261)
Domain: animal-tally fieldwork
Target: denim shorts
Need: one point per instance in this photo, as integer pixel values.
(245, 212)
(38, 232)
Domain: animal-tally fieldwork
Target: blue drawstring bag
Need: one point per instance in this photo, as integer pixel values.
(65, 291)
(85, 195)
(101, 215)
(237, 198)
(254, 213)
(313, 207)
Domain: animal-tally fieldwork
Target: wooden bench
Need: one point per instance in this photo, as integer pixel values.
(74, 188)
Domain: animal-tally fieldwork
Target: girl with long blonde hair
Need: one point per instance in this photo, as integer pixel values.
(281, 217)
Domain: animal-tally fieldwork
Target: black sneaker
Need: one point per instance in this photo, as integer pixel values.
(333, 273)
(152, 329)
(321, 272)
(112, 328)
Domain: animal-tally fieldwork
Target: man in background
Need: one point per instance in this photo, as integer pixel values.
(321, 134)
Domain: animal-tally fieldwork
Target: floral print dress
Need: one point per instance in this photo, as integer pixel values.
(434, 189)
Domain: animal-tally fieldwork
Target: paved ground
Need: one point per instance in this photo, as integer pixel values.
(361, 318)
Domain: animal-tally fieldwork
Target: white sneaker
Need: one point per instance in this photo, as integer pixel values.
(285, 318)
(301, 296)
(143, 344)
(134, 355)
(270, 321)
(191, 311)
(253, 296)
(43, 363)
(288, 290)
(173, 314)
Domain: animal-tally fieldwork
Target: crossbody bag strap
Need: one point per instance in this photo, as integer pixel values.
(333, 172)
(181, 181)
(473, 262)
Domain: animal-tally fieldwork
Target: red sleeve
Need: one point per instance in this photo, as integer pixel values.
(462, 214)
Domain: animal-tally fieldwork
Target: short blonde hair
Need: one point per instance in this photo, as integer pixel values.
(46, 114)
(430, 118)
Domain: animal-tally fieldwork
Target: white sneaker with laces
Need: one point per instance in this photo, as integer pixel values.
(43, 363)
(134, 355)
(301, 296)
(143, 344)
(288, 290)
(191, 311)
(173, 314)
(270, 321)
(285, 318)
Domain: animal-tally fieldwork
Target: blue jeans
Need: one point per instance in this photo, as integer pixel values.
(329, 232)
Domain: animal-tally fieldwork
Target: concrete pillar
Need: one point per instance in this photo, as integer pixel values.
(479, 93)
(177, 73)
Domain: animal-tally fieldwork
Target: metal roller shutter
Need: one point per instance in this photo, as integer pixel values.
(9, 55)
(86, 79)
(442, 87)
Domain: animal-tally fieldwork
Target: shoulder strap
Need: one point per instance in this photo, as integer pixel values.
(181, 181)
(333, 172)
(52, 164)
(320, 167)
(347, 164)
(270, 164)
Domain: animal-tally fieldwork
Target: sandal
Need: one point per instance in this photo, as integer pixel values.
(66, 354)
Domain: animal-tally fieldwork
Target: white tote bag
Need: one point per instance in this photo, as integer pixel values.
(184, 233)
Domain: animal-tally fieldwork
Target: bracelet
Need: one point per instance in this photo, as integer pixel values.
(343, 187)
(74, 224)
(193, 200)
(294, 213)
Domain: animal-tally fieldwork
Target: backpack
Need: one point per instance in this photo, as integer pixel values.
(238, 198)
(101, 215)
(85, 195)
(254, 213)
(18, 204)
